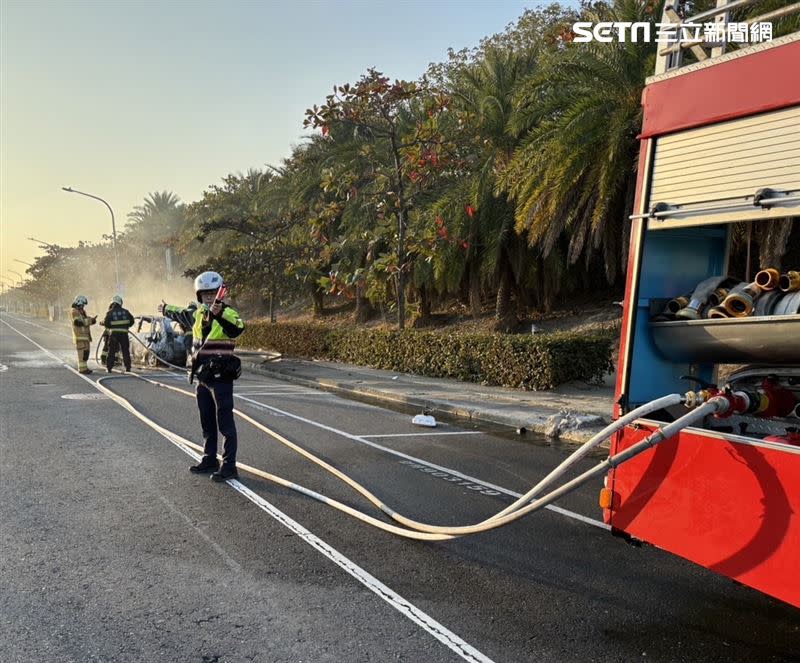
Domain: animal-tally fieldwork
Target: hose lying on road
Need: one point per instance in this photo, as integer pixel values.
(422, 531)
(183, 442)
(514, 511)
(557, 473)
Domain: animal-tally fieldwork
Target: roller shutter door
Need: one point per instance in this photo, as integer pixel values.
(711, 174)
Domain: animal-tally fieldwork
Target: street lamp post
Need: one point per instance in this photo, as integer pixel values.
(19, 283)
(7, 285)
(113, 225)
(43, 243)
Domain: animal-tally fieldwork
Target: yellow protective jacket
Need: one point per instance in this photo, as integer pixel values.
(215, 335)
(80, 326)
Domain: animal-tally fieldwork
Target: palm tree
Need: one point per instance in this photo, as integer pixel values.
(158, 219)
(578, 118)
(483, 214)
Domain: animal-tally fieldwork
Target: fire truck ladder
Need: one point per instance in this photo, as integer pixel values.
(679, 34)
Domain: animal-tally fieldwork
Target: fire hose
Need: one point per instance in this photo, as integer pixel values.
(144, 345)
(719, 404)
(521, 507)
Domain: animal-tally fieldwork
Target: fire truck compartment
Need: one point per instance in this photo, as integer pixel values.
(772, 339)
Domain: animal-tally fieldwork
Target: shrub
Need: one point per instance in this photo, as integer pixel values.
(288, 338)
(523, 362)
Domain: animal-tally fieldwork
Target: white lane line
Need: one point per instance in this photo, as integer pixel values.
(231, 563)
(462, 432)
(286, 393)
(363, 440)
(406, 608)
(47, 329)
(442, 634)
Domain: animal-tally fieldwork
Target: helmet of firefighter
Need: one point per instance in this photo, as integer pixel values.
(116, 299)
(80, 300)
(207, 281)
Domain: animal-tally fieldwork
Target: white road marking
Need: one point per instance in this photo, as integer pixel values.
(310, 392)
(363, 440)
(229, 561)
(442, 634)
(42, 327)
(406, 608)
(457, 432)
(85, 396)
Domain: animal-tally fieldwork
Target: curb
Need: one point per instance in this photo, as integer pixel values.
(538, 423)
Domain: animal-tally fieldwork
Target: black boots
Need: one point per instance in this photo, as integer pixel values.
(206, 466)
(210, 465)
(226, 472)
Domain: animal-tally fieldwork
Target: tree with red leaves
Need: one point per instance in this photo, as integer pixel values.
(386, 114)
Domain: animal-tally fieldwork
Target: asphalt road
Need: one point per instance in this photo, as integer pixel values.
(111, 550)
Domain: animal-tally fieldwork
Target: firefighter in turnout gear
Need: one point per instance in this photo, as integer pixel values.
(81, 334)
(214, 327)
(117, 322)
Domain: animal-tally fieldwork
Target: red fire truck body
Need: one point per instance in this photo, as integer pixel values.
(726, 494)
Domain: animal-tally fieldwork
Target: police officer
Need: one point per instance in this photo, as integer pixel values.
(81, 334)
(117, 322)
(214, 329)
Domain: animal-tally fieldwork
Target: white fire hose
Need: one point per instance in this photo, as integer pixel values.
(521, 507)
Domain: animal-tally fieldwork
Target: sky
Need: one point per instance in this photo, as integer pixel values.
(124, 98)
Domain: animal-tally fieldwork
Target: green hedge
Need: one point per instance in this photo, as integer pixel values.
(288, 338)
(523, 362)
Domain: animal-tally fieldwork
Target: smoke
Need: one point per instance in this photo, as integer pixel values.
(144, 283)
(90, 270)
(142, 292)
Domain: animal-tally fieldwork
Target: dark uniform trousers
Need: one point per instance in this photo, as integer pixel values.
(215, 402)
(118, 341)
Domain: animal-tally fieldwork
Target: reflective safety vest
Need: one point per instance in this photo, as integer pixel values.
(215, 338)
(118, 320)
(80, 326)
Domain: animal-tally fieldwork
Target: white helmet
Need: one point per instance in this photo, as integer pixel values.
(116, 299)
(207, 281)
(80, 300)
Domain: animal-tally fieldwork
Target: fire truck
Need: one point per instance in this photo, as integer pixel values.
(720, 154)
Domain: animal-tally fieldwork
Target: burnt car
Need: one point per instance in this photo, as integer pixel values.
(161, 340)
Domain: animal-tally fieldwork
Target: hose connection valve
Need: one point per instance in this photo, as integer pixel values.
(768, 400)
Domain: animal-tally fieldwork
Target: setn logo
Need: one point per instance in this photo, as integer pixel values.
(607, 31)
